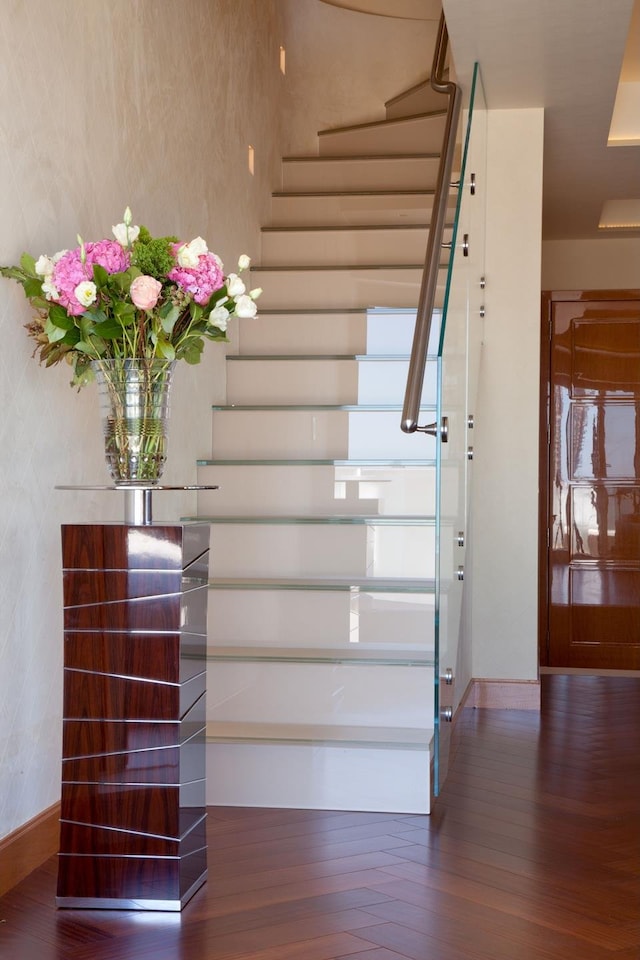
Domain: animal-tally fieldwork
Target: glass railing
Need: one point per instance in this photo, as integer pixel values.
(458, 362)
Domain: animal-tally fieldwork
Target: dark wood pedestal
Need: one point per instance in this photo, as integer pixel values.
(133, 760)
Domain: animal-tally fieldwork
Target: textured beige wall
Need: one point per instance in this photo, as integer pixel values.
(610, 263)
(342, 66)
(149, 103)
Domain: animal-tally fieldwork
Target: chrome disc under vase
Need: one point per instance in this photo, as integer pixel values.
(134, 403)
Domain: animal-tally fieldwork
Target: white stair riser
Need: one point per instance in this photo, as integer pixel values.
(330, 209)
(316, 550)
(338, 333)
(319, 618)
(392, 137)
(365, 246)
(278, 489)
(321, 381)
(356, 287)
(300, 333)
(422, 99)
(356, 173)
(318, 777)
(315, 490)
(347, 694)
(316, 435)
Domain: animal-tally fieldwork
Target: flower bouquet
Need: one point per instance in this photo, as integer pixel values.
(124, 311)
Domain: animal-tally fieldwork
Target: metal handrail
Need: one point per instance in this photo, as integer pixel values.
(428, 286)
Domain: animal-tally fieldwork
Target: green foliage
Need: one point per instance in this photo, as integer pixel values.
(153, 257)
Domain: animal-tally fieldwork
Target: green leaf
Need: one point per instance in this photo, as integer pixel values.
(28, 264)
(121, 281)
(13, 273)
(32, 287)
(83, 347)
(87, 327)
(196, 311)
(124, 312)
(95, 315)
(192, 350)
(166, 350)
(168, 318)
(110, 330)
(53, 332)
(100, 275)
(60, 318)
(71, 337)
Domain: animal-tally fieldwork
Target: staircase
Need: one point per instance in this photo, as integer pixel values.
(321, 622)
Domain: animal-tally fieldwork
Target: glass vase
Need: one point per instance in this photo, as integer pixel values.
(134, 403)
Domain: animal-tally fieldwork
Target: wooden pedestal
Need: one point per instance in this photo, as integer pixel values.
(133, 768)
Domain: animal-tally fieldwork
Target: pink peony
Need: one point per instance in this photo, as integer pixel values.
(200, 281)
(145, 292)
(69, 272)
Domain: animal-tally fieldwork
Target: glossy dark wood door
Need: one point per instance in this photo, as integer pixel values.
(133, 771)
(594, 485)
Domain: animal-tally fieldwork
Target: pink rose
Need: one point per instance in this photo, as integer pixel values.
(145, 292)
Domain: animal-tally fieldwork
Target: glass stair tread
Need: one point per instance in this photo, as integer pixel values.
(356, 654)
(361, 584)
(353, 357)
(331, 158)
(347, 519)
(411, 738)
(384, 192)
(327, 311)
(338, 267)
(347, 227)
(317, 463)
(348, 407)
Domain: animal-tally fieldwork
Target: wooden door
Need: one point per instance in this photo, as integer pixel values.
(593, 483)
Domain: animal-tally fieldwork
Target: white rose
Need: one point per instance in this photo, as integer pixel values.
(245, 307)
(50, 292)
(219, 317)
(244, 262)
(235, 286)
(44, 266)
(86, 293)
(189, 253)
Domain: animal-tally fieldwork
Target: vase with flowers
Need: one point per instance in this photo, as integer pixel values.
(123, 311)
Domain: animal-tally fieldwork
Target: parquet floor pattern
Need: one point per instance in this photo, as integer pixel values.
(532, 853)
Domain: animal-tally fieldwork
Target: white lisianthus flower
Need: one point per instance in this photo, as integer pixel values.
(219, 317)
(44, 266)
(50, 292)
(255, 293)
(235, 285)
(59, 255)
(245, 306)
(86, 293)
(244, 262)
(125, 235)
(189, 253)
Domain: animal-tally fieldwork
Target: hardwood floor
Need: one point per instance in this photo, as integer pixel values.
(532, 853)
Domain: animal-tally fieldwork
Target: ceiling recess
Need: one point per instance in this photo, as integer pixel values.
(400, 9)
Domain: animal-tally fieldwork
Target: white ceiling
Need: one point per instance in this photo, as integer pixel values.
(565, 56)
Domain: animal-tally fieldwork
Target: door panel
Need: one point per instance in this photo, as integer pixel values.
(594, 485)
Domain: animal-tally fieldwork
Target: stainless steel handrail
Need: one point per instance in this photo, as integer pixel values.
(428, 286)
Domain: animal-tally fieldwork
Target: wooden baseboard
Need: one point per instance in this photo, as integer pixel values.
(504, 695)
(28, 847)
